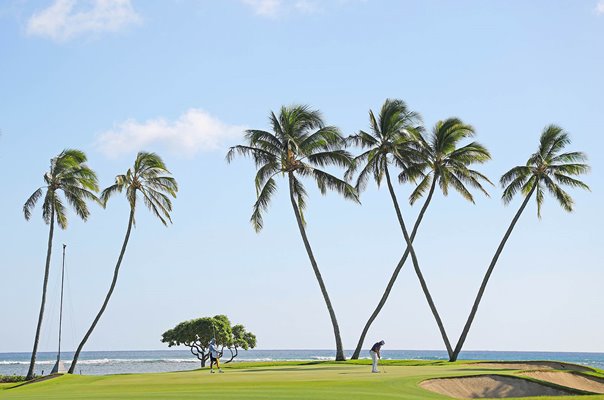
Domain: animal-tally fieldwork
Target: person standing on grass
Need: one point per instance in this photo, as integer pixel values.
(375, 354)
(214, 356)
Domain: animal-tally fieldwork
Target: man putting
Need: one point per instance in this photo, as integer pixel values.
(375, 354)
(214, 356)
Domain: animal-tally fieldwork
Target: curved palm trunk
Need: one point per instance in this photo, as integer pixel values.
(418, 272)
(32, 363)
(113, 282)
(332, 314)
(399, 266)
(485, 280)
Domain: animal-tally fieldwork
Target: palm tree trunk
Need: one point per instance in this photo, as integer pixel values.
(113, 282)
(418, 272)
(32, 363)
(332, 314)
(399, 266)
(485, 280)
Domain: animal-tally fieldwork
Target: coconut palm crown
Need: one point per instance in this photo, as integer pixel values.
(299, 145)
(446, 163)
(392, 140)
(547, 169)
(70, 175)
(149, 178)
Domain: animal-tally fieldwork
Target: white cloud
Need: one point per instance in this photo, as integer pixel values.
(600, 7)
(307, 6)
(65, 19)
(265, 8)
(279, 8)
(192, 132)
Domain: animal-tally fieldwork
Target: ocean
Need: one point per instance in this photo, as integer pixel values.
(139, 361)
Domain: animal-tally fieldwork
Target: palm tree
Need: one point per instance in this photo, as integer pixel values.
(68, 174)
(149, 179)
(447, 165)
(299, 144)
(548, 168)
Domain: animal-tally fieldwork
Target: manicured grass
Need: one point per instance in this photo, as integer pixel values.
(288, 380)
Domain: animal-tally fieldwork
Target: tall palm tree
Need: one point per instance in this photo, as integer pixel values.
(68, 174)
(299, 144)
(441, 162)
(546, 169)
(149, 179)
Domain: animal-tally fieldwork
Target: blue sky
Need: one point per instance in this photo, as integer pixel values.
(185, 78)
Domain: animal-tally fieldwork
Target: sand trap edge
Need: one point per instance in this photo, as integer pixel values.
(486, 386)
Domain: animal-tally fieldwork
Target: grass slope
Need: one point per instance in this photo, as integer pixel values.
(292, 380)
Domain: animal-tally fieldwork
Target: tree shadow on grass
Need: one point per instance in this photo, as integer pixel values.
(297, 369)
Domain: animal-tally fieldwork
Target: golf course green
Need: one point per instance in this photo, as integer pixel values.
(296, 380)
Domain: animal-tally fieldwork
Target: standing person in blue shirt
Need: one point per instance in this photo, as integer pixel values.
(214, 356)
(375, 354)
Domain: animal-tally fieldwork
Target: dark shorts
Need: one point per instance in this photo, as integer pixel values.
(212, 359)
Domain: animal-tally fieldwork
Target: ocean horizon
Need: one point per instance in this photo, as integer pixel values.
(150, 361)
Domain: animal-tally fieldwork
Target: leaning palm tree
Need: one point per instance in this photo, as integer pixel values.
(546, 169)
(441, 162)
(68, 174)
(149, 179)
(298, 146)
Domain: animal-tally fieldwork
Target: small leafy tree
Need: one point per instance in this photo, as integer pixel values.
(197, 333)
(242, 339)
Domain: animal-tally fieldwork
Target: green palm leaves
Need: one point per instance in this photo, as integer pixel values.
(70, 175)
(446, 162)
(299, 145)
(148, 178)
(393, 139)
(546, 170)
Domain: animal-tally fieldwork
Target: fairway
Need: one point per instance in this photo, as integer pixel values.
(324, 380)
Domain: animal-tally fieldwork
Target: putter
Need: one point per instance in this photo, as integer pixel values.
(383, 368)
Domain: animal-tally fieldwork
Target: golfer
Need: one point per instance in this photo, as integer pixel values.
(214, 356)
(375, 354)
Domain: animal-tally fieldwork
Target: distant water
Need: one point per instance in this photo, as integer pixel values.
(120, 362)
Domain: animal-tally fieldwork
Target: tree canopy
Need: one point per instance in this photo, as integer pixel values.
(197, 333)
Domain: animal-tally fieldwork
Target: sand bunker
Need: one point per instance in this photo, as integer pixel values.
(490, 386)
(576, 381)
(529, 365)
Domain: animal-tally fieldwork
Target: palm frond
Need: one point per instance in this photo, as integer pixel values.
(513, 174)
(341, 158)
(60, 212)
(31, 203)
(362, 139)
(156, 207)
(421, 188)
(325, 180)
(262, 203)
(568, 181)
(264, 173)
(564, 199)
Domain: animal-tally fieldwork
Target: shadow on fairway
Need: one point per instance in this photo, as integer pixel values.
(298, 369)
